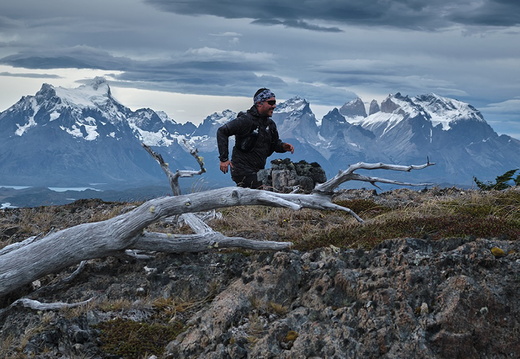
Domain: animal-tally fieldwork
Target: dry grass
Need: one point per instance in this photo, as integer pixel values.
(475, 213)
(400, 213)
(21, 223)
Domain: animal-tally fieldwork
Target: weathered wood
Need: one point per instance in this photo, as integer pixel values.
(173, 177)
(36, 305)
(349, 175)
(174, 243)
(25, 262)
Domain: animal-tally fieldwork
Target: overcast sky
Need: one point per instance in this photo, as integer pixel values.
(191, 58)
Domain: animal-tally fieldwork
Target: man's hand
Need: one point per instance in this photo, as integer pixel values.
(288, 147)
(224, 166)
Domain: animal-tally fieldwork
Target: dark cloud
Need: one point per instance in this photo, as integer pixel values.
(490, 13)
(296, 24)
(29, 75)
(79, 57)
(416, 14)
(198, 71)
(192, 82)
(48, 62)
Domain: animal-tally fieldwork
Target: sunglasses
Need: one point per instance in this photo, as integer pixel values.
(271, 102)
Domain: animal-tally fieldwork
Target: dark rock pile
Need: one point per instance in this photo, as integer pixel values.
(285, 175)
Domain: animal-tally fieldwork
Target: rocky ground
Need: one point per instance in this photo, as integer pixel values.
(406, 298)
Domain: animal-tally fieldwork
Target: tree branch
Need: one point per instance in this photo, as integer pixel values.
(36, 305)
(188, 243)
(349, 175)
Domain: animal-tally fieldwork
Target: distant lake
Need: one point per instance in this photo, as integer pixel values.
(63, 189)
(56, 189)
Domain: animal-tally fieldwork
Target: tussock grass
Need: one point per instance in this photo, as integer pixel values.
(429, 214)
(129, 339)
(18, 224)
(492, 214)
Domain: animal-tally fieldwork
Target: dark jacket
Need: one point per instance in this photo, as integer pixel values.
(256, 138)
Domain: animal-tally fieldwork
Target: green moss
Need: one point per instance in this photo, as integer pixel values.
(130, 339)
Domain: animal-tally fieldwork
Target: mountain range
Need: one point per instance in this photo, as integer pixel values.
(85, 137)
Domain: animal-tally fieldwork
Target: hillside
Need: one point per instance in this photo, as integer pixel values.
(431, 274)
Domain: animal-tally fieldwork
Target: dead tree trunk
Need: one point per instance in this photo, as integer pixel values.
(22, 263)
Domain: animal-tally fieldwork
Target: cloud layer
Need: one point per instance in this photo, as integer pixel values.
(325, 51)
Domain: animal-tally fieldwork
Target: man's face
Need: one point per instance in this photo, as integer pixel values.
(266, 107)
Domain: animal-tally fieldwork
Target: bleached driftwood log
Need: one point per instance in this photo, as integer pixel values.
(22, 263)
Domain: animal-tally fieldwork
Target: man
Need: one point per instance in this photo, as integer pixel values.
(256, 138)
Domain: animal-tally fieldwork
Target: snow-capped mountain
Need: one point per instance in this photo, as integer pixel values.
(76, 137)
(450, 133)
(205, 136)
(64, 137)
(295, 119)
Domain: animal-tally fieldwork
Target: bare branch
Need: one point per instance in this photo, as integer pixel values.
(195, 153)
(173, 178)
(77, 272)
(174, 243)
(36, 305)
(349, 175)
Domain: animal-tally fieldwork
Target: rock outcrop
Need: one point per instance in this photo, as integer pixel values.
(407, 298)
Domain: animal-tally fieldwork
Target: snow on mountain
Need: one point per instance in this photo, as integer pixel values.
(66, 137)
(436, 109)
(295, 120)
(394, 109)
(209, 126)
(154, 129)
(205, 136)
(89, 110)
(444, 111)
(95, 94)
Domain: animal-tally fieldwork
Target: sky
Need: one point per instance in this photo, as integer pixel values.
(193, 58)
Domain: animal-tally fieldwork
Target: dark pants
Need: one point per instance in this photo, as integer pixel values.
(249, 181)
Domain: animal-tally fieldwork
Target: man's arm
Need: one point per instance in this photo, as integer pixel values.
(223, 134)
(238, 126)
(282, 147)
